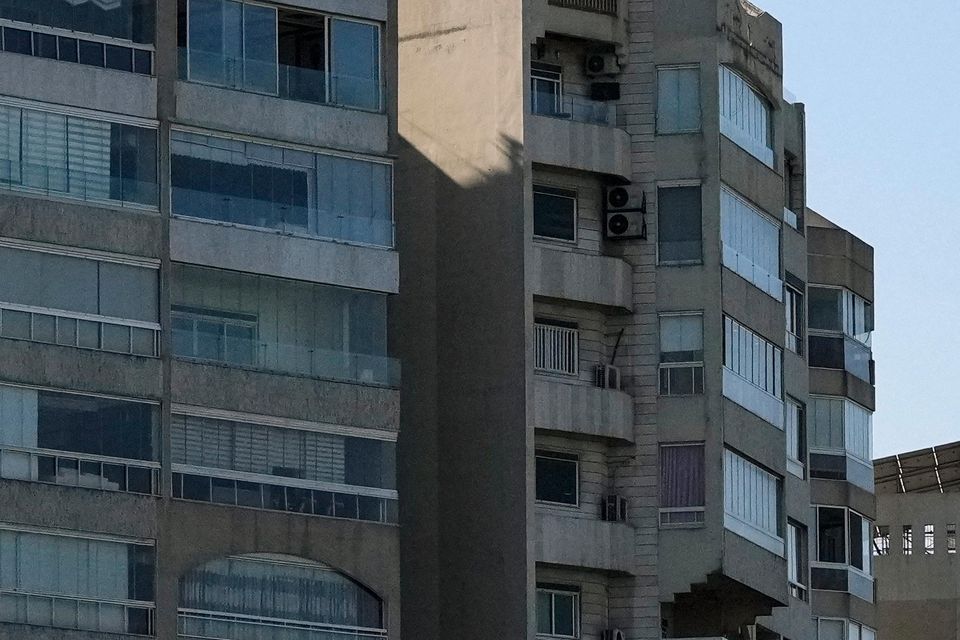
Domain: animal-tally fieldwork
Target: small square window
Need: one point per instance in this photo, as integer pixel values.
(555, 213)
(67, 49)
(142, 61)
(17, 41)
(557, 478)
(91, 53)
(45, 45)
(679, 237)
(119, 58)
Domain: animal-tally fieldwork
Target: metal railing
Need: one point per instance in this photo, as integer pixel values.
(556, 349)
(239, 489)
(609, 7)
(77, 330)
(77, 470)
(208, 625)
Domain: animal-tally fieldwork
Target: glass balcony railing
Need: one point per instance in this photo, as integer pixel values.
(299, 218)
(202, 625)
(575, 108)
(288, 358)
(78, 330)
(80, 470)
(65, 181)
(289, 82)
(842, 352)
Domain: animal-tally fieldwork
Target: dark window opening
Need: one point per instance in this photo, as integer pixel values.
(555, 213)
(302, 55)
(679, 237)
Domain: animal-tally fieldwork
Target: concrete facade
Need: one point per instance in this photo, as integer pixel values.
(514, 290)
(348, 405)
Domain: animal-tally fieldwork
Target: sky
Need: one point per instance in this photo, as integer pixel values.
(881, 83)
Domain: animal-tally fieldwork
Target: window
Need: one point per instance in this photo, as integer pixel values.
(678, 99)
(841, 441)
(301, 328)
(297, 55)
(554, 213)
(797, 559)
(682, 484)
(71, 581)
(793, 196)
(546, 89)
(881, 540)
(840, 331)
(793, 304)
(907, 539)
(753, 369)
(79, 301)
(286, 189)
(679, 235)
(109, 444)
(857, 631)
(831, 629)
(556, 347)
(681, 354)
(951, 538)
(752, 502)
(131, 20)
(843, 537)
(795, 427)
(745, 116)
(928, 539)
(558, 611)
(283, 468)
(264, 596)
(78, 158)
(751, 243)
(44, 43)
(557, 478)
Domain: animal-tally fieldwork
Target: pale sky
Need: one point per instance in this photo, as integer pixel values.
(880, 80)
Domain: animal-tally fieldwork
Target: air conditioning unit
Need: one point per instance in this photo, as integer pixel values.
(612, 634)
(625, 207)
(614, 508)
(601, 64)
(608, 376)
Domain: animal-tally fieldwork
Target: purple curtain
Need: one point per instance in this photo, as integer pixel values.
(681, 476)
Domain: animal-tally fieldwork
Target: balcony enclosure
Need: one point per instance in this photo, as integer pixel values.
(286, 326)
(292, 54)
(77, 157)
(118, 34)
(282, 188)
(841, 441)
(841, 327)
(77, 440)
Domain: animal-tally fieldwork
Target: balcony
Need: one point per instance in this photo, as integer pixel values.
(583, 542)
(580, 144)
(582, 410)
(843, 353)
(590, 279)
(844, 578)
(556, 349)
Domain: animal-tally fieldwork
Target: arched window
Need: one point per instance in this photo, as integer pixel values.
(271, 597)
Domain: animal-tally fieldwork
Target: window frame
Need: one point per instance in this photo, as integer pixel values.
(796, 464)
(678, 184)
(570, 193)
(695, 67)
(772, 541)
(666, 368)
(798, 566)
(696, 512)
(553, 590)
(866, 533)
(552, 75)
(731, 256)
(793, 300)
(563, 456)
(762, 150)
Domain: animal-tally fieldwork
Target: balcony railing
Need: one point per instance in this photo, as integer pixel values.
(556, 349)
(575, 108)
(208, 625)
(78, 330)
(80, 470)
(76, 612)
(608, 7)
(284, 494)
(842, 352)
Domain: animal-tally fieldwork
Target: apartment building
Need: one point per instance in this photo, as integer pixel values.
(638, 382)
(915, 543)
(199, 403)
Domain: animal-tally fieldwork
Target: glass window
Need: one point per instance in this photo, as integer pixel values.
(745, 116)
(795, 426)
(679, 237)
(753, 358)
(557, 478)
(558, 611)
(546, 89)
(860, 554)
(831, 535)
(751, 495)
(555, 213)
(681, 354)
(793, 305)
(678, 99)
(951, 538)
(682, 484)
(132, 20)
(751, 243)
(831, 629)
(262, 595)
(928, 539)
(907, 540)
(17, 41)
(556, 347)
(302, 54)
(826, 308)
(797, 558)
(881, 540)
(355, 65)
(281, 188)
(42, 572)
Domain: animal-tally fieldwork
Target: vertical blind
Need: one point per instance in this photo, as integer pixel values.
(751, 243)
(678, 99)
(751, 494)
(838, 424)
(263, 587)
(745, 115)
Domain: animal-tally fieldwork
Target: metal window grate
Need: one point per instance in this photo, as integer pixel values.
(556, 349)
(608, 7)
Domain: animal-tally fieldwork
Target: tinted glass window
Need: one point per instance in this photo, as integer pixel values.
(825, 309)
(97, 426)
(831, 538)
(555, 213)
(91, 53)
(17, 41)
(124, 19)
(680, 235)
(557, 478)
